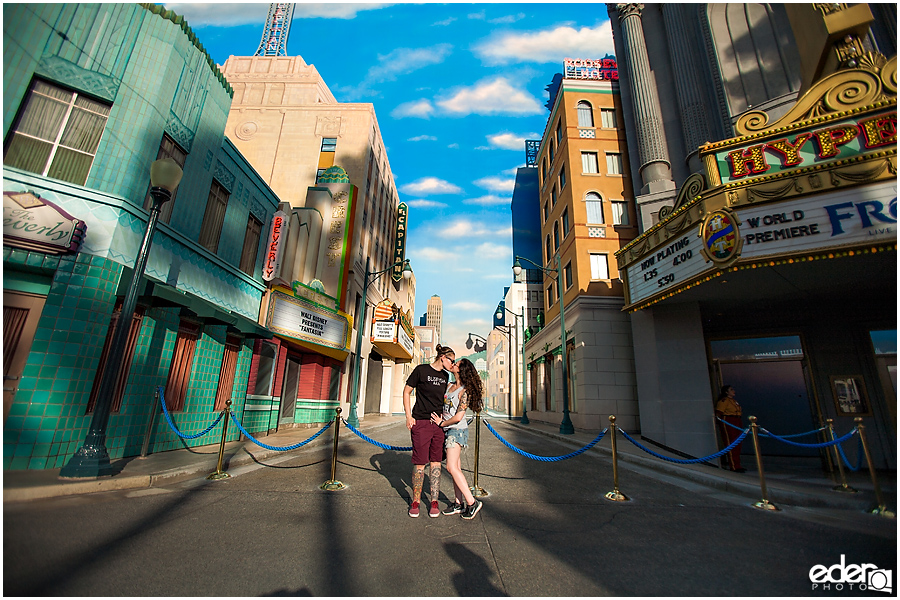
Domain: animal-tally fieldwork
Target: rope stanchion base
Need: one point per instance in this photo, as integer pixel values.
(332, 485)
(883, 511)
(218, 475)
(479, 492)
(845, 488)
(617, 496)
(765, 505)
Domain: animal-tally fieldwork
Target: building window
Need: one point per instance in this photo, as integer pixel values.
(553, 197)
(613, 163)
(181, 365)
(593, 205)
(620, 212)
(556, 235)
(226, 372)
(562, 177)
(329, 144)
(559, 133)
(585, 114)
(549, 249)
(549, 296)
(544, 170)
(265, 370)
(546, 212)
(567, 275)
(125, 359)
(167, 149)
(548, 382)
(552, 151)
(599, 267)
(565, 223)
(608, 118)
(57, 133)
(216, 205)
(589, 162)
(251, 245)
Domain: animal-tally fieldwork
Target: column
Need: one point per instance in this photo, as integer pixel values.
(387, 385)
(656, 172)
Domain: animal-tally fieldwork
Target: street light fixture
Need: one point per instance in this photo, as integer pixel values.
(92, 459)
(480, 343)
(352, 418)
(565, 427)
(500, 313)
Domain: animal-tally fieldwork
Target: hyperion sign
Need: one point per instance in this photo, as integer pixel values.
(602, 69)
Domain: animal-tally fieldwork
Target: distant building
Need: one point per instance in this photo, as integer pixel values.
(435, 316)
(427, 342)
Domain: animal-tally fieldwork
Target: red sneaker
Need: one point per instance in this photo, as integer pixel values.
(414, 509)
(435, 510)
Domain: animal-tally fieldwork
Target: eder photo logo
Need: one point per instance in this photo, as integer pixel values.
(854, 577)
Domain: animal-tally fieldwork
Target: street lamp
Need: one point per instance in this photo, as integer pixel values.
(352, 419)
(92, 459)
(565, 427)
(499, 314)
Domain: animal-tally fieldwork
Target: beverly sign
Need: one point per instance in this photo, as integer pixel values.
(32, 223)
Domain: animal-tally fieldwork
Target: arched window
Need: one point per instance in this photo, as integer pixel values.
(585, 114)
(593, 205)
(549, 249)
(556, 235)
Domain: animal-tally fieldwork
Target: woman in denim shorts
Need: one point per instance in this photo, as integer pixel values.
(463, 393)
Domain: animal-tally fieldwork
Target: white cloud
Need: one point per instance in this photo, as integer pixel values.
(435, 254)
(492, 250)
(454, 145)
(422, 138)
(226, 14)
(551, 45)
(511, 141)
(491, 97)
(508, 18)
(406, 60)
(430, 185)
(415, 108)
(469, 305)
(463, 228)
(425, 204)
(496, 184)
(446, 21)
(489, 200)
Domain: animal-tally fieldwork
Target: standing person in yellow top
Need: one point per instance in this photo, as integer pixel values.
(729, 411)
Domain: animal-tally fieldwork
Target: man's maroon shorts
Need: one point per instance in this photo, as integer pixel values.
(427, 442)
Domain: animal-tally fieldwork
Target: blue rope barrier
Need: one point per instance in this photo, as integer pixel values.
(545, 458)
(278, 448)
(371, 441)
(691, 460)
(175, 429)
(793, 435)
(846, 437)
(859, 455)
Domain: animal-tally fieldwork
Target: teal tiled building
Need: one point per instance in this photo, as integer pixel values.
(93, 94)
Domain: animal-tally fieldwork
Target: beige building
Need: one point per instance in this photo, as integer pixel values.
(587, 214)
(289, 126)
(434, 316)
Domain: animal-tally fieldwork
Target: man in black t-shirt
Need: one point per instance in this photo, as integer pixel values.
(430, 383)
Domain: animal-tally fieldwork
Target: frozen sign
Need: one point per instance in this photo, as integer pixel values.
(602, 69)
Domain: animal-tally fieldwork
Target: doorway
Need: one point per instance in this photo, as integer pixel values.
(21, 313)
(289, 390)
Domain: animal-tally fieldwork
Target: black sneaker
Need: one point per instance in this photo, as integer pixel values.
(453, 509)
(471, 510)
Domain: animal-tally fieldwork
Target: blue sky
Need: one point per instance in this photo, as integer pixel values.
(457, 88)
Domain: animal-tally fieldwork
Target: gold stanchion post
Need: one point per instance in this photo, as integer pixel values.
(478, 492)
(881, 509)
(764, 503)
(333, 485)
(615, 495)
(842, 487)
(220, 474)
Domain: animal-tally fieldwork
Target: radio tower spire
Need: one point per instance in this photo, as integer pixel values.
(275, 34)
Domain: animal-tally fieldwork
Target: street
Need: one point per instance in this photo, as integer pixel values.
(545, 530)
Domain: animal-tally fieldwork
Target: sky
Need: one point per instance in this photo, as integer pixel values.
(457, 89)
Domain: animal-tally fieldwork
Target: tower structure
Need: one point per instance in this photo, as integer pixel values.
(434, 316)
(275, 33)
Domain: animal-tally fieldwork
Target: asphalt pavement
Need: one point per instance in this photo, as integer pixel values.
(159, 527)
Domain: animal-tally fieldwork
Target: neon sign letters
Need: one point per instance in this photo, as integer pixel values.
(603, 69)
(274, 249)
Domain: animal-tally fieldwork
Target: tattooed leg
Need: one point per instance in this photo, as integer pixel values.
(418, 479)
(435, 481)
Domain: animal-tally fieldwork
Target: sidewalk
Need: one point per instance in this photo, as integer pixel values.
(790, 482)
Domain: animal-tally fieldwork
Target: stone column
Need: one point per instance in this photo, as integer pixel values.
(387, 385)
(694, 114)
(656, 171)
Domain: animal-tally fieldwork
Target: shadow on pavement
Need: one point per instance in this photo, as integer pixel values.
(474, 580)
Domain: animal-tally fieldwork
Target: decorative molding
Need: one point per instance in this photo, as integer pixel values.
(180, 133)
(690, 189)
(224, 176)
(839, 92)
(70, 74)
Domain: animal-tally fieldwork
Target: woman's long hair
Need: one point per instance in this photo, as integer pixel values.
(469, 378)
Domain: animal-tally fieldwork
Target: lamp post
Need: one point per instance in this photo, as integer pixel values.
(507, 331)
(92, 459)
(500, 313)
(361, 324)
(565, 427)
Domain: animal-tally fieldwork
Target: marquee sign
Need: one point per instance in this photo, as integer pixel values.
(604, 69)
(400, 243)
(806, 147)
(274, 249)
(391, 333)
(296, 318)
(32, 223)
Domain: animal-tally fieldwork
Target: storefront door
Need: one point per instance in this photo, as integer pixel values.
(289, 391)
(21, 312)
